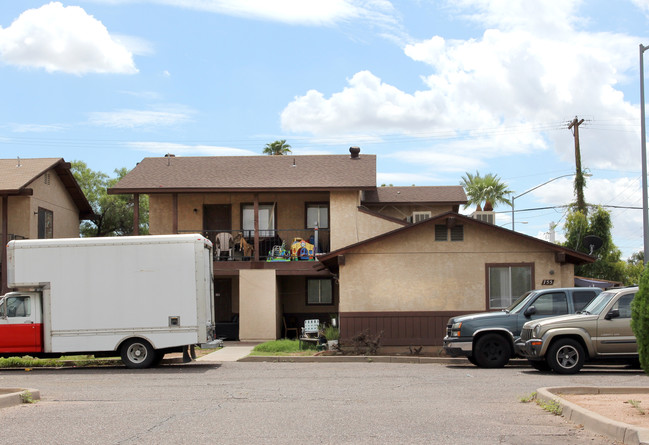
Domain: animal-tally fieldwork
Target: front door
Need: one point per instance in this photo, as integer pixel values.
(20, 327)
(223, 300)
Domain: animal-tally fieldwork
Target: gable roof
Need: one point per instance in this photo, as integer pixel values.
(571, 256)
(249, 173)
(452, 194)
(17, 174)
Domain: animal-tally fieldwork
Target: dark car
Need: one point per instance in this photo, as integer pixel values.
(487, 338)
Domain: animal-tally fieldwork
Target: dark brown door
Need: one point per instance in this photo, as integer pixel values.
(223, 300)
(217, 218)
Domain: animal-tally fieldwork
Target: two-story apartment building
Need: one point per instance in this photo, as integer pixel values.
(40, 199)
(274, 218)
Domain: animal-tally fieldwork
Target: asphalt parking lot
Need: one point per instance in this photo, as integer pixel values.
(296, 403)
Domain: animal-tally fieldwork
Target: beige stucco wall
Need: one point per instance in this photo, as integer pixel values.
(351, 226)
(412, 272)
(23, 210)
(258, 305)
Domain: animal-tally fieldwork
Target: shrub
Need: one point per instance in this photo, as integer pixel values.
(640, 319)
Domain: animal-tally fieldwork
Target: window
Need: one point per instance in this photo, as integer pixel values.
(16, 307)
(420, 216)
(582, 298)
(317, 213)
(555, 303)
(45, 223)
(506, 283)
(457, 233)
(319, 291)
(624, 305)
(266, 219)
(441, 233)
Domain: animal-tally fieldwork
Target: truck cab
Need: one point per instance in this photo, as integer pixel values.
(21, 328)
(487, 338)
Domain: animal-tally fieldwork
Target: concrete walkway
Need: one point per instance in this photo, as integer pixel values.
(232, 352)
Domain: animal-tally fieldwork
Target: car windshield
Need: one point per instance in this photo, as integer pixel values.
(518, 304)
(596, 306)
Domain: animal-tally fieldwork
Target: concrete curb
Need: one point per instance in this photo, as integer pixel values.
(366, 359)
(619, 431)
(12, 396)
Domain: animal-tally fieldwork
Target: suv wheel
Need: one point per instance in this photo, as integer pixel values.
(492, 351)
(566, 356)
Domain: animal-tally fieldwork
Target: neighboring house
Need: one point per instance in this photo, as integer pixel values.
(269, 200)
(40, 199)
(408, 282)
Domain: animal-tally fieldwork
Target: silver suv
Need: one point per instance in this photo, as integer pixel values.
(601, 331)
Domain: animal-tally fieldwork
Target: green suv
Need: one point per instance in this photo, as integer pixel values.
(601, 331)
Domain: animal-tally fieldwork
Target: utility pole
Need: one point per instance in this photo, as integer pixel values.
(579, 176)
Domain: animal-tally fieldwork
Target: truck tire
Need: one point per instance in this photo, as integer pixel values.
(138, 353)
(565, 356)
(492, 351)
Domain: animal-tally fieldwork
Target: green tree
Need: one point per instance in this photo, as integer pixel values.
(634, 268)
(113, 213)
(608, 265)
(488, 189)
(277, 148)
(640, 320)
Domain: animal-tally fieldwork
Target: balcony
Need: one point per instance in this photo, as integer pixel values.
(273, 245)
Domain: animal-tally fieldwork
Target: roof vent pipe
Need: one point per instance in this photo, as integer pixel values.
(355, 152)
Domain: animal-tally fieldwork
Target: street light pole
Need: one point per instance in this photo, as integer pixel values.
(530, 190)
(643, 141)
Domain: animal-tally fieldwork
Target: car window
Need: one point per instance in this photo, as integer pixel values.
(581, 298)
(555, 303)
(624, 305)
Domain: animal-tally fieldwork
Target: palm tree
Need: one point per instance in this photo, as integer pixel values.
(277, 148)
(488, 189)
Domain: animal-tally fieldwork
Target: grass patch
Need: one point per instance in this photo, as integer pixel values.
(31, 362)
(636, 405)
(551, 406)
(283, 347)
(27, 397)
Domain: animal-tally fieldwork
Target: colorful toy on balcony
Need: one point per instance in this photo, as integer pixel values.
(301, 250)
(278, 254)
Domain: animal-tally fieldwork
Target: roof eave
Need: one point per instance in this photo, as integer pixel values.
(163, 190)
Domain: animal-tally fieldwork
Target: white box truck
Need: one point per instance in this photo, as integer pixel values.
(138, 297)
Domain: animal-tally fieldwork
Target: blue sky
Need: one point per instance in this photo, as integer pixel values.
(433, 88)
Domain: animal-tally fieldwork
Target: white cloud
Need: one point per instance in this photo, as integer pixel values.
(530, 72)
(296, 12)
(66, 39)
(35, 128)
(184, 149)
(139, 118)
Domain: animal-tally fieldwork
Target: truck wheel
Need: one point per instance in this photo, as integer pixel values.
(540, 365)
(492, 351)
(472, 360)
(566, 356)
(138, 353)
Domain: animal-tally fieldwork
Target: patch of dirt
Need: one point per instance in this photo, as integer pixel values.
(615, 406)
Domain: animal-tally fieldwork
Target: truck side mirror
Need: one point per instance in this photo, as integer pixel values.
(530, 311)
(613, 313)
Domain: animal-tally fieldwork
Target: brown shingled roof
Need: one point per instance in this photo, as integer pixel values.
(17, 174)
(250, 173)
(400, 195)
